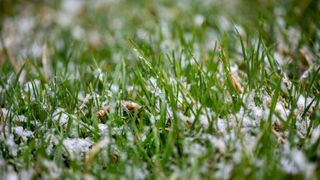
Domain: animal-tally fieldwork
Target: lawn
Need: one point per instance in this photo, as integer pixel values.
(189, 89)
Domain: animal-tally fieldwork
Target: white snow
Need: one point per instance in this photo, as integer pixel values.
(22, 133)
(52, 168)
(184, 118)
(204, 121)
(32, 86)
(222, 124)
(224, 170)
(218, 143)
(21, 118)
(193, 150)
(281, 110)
(60, 116)
(114, 88)
(78, 33)
(198, 20)
(98, 74)
(72, 6)
(103, 129)
(294, 162)
(3, 113)
(12, 175)
(11, 145)
(77, 145)
(315, 135)
(304, 102)
(26, 24)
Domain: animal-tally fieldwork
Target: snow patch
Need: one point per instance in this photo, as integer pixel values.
(77, 145)
(60, 116)
(22, 133)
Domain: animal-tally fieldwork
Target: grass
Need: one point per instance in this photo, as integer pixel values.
(151, 90)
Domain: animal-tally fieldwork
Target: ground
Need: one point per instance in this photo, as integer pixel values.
(159, 89)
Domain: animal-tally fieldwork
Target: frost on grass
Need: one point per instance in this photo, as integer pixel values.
(212, 135)
(247, 124)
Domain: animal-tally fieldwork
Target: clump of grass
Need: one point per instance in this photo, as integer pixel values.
(158, 95)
